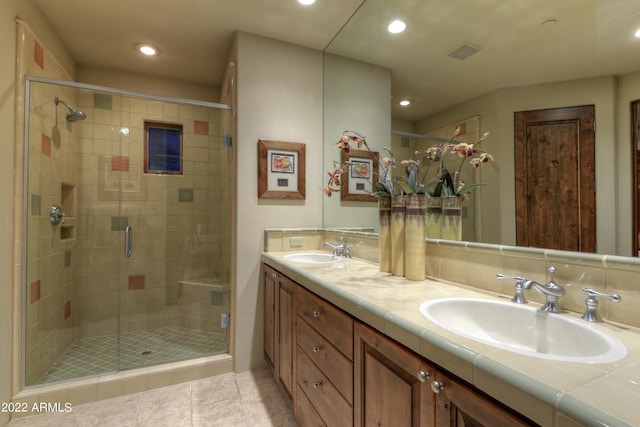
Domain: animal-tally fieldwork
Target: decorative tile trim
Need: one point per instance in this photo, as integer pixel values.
(136, 282)
(119, 223)
(38, 55)
(200, 127)
(46, 145)
(120, 164)
(35, 292)
(185, 194)
(36, 202)
(102, 101)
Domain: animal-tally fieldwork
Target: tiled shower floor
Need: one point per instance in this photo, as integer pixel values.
(94, 355)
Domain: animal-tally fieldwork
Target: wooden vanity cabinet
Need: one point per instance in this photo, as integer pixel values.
(340, 372)
(458, 405)
(324, 362)
(392, 384)
(278, 327)
(396, 387)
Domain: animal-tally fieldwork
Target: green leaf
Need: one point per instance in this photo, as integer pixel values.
(406, 189)
(468, 188)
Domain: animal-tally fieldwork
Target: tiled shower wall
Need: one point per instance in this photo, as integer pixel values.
(178, 221)
(78, 281)
(49, 280)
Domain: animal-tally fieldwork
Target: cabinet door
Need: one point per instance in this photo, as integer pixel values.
(392, 384)
(269, 277)
(459, 406)
(285, 331)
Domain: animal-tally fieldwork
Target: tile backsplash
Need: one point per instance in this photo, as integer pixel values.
(477, 264)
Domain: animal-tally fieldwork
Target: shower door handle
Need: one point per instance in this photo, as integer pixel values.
(127, 241)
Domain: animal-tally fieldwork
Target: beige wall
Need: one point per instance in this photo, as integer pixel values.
(148, 84)
(279, 98)
(7, 123)
(496, 200)
(356, 98)
(10, 109)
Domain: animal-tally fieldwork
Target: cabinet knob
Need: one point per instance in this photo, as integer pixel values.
(317, 384)
(316, 348)
(316, 313)
(274, 276)
(437, 386)
(423, 376)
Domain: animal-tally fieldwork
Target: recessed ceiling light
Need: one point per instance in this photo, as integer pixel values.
(637, 34)
(396, 26)
(306, 2)
(147, 49)
(404, 102)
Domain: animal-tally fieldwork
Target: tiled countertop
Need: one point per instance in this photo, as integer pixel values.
(546, 391)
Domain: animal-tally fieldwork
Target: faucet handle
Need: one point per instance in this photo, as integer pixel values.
(591, 313)
(518, 298)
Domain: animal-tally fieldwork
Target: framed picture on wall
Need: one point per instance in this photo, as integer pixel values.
(281, 170)
(361, 179)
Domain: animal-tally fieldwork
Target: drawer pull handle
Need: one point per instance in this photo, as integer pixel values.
(423, 376)
(317, 384)
(316, 348)
(316, 313)
(437, 386)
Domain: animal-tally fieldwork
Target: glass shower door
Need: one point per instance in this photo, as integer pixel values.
(138, 272)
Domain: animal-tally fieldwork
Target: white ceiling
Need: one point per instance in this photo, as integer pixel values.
(590, 38)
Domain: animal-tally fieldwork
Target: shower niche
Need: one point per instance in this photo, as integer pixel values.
(68, 207)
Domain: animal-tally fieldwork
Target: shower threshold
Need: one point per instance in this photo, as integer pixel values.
(95, 355)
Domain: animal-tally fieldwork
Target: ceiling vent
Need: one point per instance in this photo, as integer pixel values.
(464, 51)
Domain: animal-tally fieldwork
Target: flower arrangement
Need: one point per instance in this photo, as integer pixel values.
(384, 185)
(417, 170)
(444, 183)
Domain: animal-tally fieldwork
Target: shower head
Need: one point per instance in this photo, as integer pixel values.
(73, 115)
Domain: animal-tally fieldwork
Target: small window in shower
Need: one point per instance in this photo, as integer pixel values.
(163, 148)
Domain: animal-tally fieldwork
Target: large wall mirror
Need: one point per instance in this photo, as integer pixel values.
(459, 60)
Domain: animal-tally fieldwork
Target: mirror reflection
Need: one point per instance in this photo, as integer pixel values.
(491, 61)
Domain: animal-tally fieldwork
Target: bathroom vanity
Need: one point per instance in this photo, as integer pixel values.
(348, 346)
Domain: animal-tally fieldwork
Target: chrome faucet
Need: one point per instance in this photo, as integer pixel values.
(591, 314)
(338, 248)
(519, 297)
(552, 291)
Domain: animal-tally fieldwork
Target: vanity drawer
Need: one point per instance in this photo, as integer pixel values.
(335, 365)
(331, 322)
(306, 414)
(327, 400)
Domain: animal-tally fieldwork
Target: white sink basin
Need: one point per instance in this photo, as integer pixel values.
(524, 329)
(311, 257)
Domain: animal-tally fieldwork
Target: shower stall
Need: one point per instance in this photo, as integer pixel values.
(128, 219)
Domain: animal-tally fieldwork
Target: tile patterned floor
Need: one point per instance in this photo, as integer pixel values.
(249, 399)
(94, 355)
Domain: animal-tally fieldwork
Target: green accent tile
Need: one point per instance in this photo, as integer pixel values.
(185, 194)
(102, 101)
(119, 223)
(67, 258)
(35, 205)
